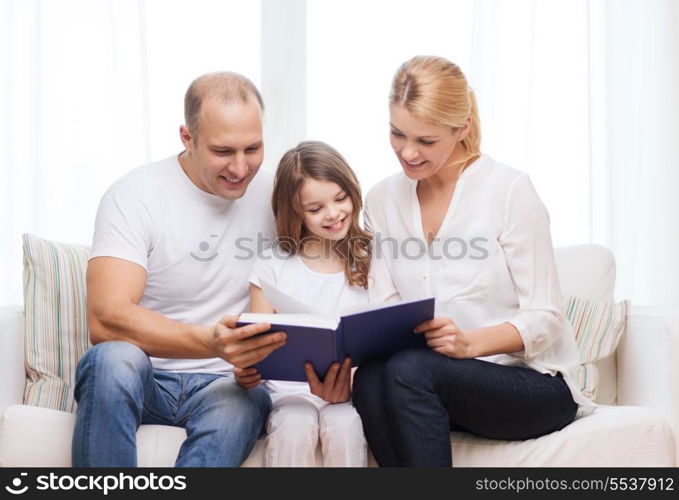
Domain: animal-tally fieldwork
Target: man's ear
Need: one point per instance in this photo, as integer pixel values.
(185, 136)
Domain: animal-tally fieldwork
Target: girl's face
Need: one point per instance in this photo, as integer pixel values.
(423, 148)
(327, 209)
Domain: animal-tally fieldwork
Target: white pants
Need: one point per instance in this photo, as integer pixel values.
(298, 420)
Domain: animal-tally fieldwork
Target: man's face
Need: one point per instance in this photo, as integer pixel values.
(228, 150)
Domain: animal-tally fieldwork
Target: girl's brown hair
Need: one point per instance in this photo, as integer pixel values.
(317, 160)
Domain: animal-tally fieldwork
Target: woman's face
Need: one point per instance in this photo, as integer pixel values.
(327, 209)
(422, 148)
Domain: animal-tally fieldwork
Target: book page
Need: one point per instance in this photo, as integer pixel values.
(310, 320)
(283, 303)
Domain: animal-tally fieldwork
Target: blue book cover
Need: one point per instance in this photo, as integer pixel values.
(378, 332)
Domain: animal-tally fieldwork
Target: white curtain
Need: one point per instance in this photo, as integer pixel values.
(91, 89)
(582, 94)
(526, 59)
(642, 149)
(74, 118)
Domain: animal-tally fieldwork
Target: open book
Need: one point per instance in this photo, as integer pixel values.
(361, 332)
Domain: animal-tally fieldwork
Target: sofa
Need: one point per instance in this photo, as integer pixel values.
(635, 424)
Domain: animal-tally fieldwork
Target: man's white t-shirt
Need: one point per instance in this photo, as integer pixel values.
(197, 248)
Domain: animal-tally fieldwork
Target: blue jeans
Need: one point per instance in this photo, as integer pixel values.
(411, 402)
(117, 390)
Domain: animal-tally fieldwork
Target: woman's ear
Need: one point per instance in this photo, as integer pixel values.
(464, 129)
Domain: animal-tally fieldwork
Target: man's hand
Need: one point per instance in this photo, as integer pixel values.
(336, 386)
(237, 345)
(247, 378)
(444, 337)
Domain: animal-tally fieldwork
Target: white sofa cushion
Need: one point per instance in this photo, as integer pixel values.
(586, 271)
(622, 436)
(31, 436)
(613, 436)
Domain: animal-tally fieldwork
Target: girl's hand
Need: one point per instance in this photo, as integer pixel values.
(336, 386)
(444, 337)
(247, 378)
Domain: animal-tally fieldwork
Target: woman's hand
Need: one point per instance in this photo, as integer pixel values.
(336, 386)
(247, 378)
(444, 337)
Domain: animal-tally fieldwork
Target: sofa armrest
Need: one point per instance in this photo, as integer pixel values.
(647, 362)
(12, 371)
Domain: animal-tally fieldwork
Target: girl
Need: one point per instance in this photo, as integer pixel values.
(321, 258)
(502, 360)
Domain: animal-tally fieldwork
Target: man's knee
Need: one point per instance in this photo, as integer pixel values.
(109, 364)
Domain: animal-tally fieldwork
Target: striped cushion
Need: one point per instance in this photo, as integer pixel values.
(598, 326)
(56, 322)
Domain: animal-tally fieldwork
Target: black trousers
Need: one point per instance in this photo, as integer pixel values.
(411, 402)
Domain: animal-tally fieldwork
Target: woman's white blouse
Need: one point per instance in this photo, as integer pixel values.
(491, 262)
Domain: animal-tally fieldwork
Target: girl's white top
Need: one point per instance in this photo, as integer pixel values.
(328, 294)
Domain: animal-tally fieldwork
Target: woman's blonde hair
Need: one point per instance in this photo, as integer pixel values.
(317, 160)
(435, 89)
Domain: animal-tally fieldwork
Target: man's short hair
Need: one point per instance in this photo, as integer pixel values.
(229, 86)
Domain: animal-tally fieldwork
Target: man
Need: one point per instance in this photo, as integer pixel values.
(163, 271)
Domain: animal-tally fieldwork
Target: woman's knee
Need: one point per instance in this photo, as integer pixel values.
(410, 359)
(409, 366)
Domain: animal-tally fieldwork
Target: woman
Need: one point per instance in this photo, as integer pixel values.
(472, 232)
